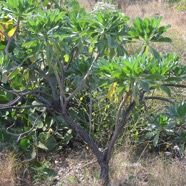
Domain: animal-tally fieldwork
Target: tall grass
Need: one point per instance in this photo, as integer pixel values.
(7, 169)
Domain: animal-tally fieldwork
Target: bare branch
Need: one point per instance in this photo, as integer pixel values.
(3, 106)
(23, 107)
(159, 98)
(42, 99)
(118, 130)
(85, 137)
(174, 85)
(84, 79)
(20, 95)
(120, 108)
(90, 114)
(51, 84)
(61, 88)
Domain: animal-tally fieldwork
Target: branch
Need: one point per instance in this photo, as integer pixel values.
(21, 135)
(10, 39)
(120, 108)
(54, 96)
(19, 96)
(118, 130)
(84, 79)
(90, 114)
(42, 99)
(3, 106)
(22, 93)
(85, 136)
(61, 88)
(23, 107)
(159, 98)
(174, 85)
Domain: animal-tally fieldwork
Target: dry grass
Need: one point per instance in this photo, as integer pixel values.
(153, 171)
(127, 168)
(167, 173)
(7, 169)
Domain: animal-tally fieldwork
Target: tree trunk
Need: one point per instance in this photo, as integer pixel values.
(104, 174)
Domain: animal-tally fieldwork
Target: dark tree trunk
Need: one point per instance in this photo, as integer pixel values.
(103, 159)
(104, 174)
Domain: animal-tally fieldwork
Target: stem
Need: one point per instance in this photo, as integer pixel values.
(84, 79)
(120, 108)
(118, 130)
(61, 88)
(90, 114)
(84, 136)
(10, 39)
(159, 98)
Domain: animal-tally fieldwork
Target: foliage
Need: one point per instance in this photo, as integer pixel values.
(169, 125)
(42, 173)
(148, 31)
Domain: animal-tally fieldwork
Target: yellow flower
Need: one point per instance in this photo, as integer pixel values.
(7, 23)
(12, 31)
(111, 92)
(1, 33)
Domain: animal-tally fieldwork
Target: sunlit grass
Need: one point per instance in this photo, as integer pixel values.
(7, 169)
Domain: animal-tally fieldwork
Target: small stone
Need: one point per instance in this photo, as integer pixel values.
(167, 154)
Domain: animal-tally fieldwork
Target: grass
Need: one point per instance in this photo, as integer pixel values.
(129, 167)
(7, 169)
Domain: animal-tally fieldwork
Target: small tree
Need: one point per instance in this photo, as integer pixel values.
(50, 56)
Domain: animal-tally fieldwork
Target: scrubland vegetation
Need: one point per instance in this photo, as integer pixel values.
(92, 93)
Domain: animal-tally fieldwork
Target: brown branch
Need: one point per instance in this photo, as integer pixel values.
(84, 79)
(118, 130)
(159, 98)
(11, 104)
(24, 107)
(61, 88)
(14, 101)
(120, 108)
(54, 96)
(174, 85)
(84, 136)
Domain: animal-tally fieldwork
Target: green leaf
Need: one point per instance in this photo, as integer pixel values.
(50, 172)
(166, 90)
(164, 39)
(145, 85)
(41, 146)
(30, 154)
(3, 99)
(49, 53)
(111, 42)
(32, 119)
(182, 110)
(156, 139)
(150, 134)
(51, 143)
(25, 143)
(155, 53)
(135, 94)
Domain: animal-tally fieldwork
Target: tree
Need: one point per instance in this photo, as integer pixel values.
(53, 55)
